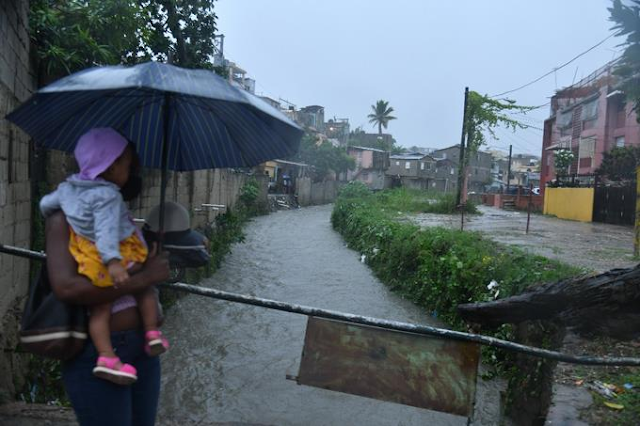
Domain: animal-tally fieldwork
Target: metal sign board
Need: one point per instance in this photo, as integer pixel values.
(406, 368)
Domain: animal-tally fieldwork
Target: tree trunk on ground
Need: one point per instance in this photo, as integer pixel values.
(605, 304)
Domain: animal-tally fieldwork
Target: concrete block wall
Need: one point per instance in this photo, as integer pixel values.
(316, 193)
(192, 189)
(16, 85)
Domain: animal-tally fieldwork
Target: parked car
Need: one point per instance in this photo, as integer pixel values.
(536, 190)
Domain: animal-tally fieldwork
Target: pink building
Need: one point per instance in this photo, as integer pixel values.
(371, 164)
(589, 118)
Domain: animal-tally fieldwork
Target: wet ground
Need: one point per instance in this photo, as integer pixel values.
(593, 246)
(228, 362)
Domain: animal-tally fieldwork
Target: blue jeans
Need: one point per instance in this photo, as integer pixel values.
(98, 402)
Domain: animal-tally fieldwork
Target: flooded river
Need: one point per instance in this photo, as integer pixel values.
(228, 362)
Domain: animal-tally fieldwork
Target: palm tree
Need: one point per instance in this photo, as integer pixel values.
(381, 115)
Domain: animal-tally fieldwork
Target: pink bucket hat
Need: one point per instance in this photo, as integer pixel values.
(97, 150)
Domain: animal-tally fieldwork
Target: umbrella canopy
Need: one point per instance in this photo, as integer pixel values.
(179, 119)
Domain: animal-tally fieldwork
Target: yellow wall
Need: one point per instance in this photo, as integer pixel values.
(569, 203)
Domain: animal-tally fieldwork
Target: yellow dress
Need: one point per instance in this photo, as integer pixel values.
(85, 252)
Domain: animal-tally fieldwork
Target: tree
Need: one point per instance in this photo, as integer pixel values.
(562, 160)
(324, 157)
(381, 115)
(627, 22)
(620, 164)
(482, 116)
(70, 35)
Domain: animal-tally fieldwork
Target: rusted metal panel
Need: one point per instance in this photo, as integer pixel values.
(406, 368)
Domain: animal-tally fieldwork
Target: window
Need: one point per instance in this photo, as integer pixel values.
(564, 119)
(589, 110)
(587, 147)
(397, 163)
(407, 165)
(451, 171)
(421, 166)
(444, 155)
(620, 141)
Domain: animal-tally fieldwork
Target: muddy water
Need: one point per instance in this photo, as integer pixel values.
(593, 246)
(228, 362)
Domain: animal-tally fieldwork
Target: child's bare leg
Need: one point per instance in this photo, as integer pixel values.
(148, 306)
(99, 329)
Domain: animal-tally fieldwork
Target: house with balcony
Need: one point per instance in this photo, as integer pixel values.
(371, 164)
(588, 118)
(413, 170)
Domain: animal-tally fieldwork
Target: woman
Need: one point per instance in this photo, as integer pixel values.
(95, 401)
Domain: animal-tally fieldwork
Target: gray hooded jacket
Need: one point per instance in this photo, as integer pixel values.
(95, 210)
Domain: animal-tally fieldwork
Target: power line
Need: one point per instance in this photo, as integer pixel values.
(557, 68)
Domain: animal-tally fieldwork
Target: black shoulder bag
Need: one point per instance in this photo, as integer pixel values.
(49, 327)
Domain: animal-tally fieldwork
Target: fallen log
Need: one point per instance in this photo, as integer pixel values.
(602, 304)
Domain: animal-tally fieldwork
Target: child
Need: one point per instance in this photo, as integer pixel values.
(105, 242)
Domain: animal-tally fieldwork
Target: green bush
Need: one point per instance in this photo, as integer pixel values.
(435, 267)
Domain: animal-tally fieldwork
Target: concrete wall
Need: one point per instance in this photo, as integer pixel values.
(310, 193)
(16, 84)
(569, 203)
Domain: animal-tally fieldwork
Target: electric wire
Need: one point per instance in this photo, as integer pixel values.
(557, 68)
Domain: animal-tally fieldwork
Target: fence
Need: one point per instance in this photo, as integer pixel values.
(615, 205)
(569, 203)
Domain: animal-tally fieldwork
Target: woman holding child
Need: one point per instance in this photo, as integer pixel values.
(97, 258)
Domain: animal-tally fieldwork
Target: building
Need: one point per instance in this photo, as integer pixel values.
(337, 128)
(371, 164)
(239, 76)
(283, 175)
(381, 141)
(524, 168)
(446, 176)
(480, 166)
(414, 170)
(312, 117)
(589, 118)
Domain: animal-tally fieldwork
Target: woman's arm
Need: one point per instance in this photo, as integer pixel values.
(71, 287)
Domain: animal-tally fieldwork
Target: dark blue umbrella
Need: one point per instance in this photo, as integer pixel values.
(179, 119)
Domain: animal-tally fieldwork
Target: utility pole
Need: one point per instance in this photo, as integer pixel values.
(509, 169)
(462, 139)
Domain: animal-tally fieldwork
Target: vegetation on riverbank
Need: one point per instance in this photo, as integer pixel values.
(437, 268)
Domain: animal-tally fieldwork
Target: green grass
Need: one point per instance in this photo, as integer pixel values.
(437, 268)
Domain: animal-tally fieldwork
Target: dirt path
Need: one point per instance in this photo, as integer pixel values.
(593, 246)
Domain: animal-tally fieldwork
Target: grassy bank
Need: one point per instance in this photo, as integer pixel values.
(437, 268)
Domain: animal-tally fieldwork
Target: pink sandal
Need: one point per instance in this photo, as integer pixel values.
(114, 370)
(156, 343)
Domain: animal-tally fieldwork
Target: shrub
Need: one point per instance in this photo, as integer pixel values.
(437, 268)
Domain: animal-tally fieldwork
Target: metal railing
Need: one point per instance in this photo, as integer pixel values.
(376, 322)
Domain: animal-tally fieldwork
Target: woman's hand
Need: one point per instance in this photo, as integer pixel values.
(156, 268)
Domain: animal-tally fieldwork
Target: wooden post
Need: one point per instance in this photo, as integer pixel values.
(509, 169)
(636, 239)
(461, 170)
(529, 206)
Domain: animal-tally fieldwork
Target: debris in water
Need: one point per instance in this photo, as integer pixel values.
(614, 406)
(602, 388)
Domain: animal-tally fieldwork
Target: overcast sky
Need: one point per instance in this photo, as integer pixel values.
(418, 55)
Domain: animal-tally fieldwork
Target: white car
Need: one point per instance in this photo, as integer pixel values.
(536, 190)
